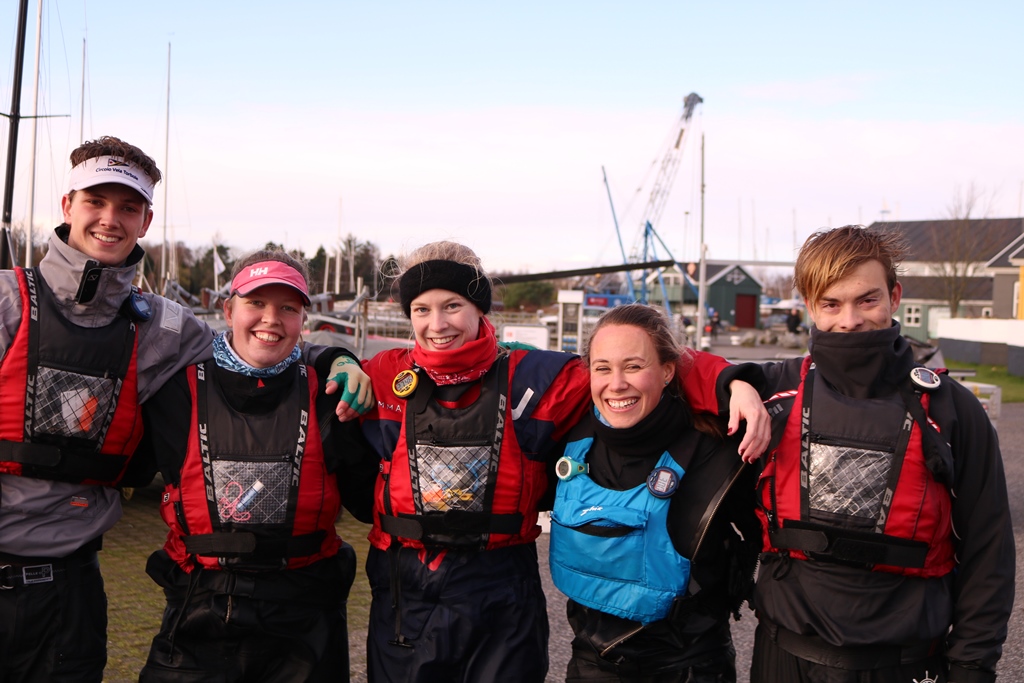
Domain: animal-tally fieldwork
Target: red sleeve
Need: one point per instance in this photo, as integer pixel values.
(382, 369)
(699, 373)
(567, 399)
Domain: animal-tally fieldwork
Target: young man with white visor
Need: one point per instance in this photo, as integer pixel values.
(81, 349)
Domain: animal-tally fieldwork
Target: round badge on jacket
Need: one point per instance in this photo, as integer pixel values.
(405, 383)
(662, 482)
(925, 379)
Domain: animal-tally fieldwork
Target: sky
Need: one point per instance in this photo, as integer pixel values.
(489, 123)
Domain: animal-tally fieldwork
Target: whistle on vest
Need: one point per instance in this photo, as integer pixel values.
(566, 468)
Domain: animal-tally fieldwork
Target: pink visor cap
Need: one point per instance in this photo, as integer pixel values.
(265, 273)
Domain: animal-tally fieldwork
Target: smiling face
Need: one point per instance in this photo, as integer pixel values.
(106, 221)
(265, 326)
(626, 377)
(860, 302)
(443, 320)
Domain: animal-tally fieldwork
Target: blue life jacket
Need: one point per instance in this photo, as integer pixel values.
(611, 550)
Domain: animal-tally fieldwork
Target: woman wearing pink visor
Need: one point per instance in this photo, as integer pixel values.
(256, 470)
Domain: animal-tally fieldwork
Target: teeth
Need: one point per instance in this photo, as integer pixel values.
(442, 340)
(624, 403)
(264, 336)
(107, 239)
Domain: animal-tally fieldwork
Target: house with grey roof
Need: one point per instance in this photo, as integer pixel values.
(732, 290)
(966, 263)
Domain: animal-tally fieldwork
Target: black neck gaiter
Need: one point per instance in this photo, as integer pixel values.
(862, 364)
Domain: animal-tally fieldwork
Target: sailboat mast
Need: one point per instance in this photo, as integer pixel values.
(81, 120)
(12, 137)
(32, 152)
(167, 164)
(702, 295)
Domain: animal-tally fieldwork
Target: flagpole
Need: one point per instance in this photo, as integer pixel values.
(218, 268)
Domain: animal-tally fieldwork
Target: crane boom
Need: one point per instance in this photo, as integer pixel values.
(662, 187)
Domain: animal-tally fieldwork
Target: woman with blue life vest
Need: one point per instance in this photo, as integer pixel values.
(653, 534)
(256, 470)
(466, 430)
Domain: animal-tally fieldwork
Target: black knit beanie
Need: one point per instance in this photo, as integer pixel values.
(451, 275)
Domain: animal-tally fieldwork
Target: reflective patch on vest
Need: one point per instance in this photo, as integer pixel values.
(848, 481)
(252, 492)
(70, 404)
(170, 318)
(453, 477)
(524, 402)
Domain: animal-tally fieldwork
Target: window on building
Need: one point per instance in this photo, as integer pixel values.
(912, 316)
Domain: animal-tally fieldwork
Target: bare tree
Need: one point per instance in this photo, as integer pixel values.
(961, 247)
(777, 284)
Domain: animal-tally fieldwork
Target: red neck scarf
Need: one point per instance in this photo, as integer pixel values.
(467, 363)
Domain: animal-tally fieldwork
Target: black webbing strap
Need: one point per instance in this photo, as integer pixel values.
(30, 453)
(417, 403)
(243, 543)
(895, 469)
(450, 523)
(805, 444)
(814, 649)
(75, 464)
(500, 423)
(202, 422)
(850, 546)
(33, 351)
(938, 456)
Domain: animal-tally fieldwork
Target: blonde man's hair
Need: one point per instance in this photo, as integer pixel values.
(829, 255)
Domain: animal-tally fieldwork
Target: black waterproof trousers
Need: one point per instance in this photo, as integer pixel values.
(288, 626)
(691, 647)
(470, 617)
(53, 619)
(774, 664)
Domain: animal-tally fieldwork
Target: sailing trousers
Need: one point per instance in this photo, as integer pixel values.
(289, 627)
(476, 616)
(53, 619)
(772, 663)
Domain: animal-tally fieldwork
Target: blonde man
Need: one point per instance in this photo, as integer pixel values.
(889, 551)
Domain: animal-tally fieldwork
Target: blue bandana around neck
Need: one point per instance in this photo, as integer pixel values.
(226, 358)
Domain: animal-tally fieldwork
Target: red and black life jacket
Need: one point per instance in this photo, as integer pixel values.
(459, 477)
(69, 408)
(849, 483)
(254, 490)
